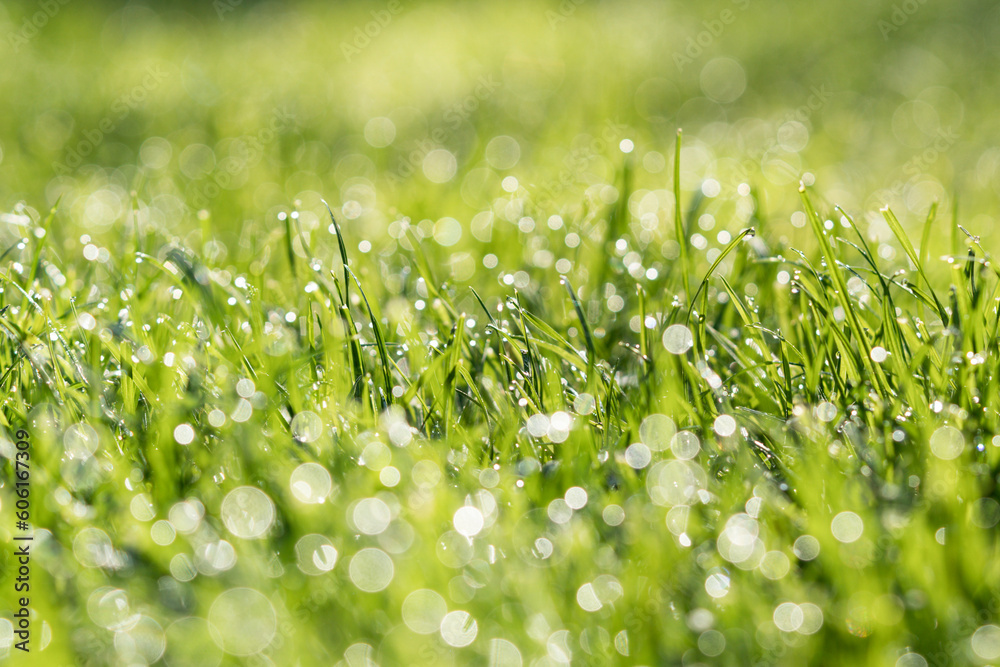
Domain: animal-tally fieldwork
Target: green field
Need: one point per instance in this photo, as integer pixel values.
(500, 333)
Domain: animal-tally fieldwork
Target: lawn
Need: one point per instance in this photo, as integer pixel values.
(500, 333)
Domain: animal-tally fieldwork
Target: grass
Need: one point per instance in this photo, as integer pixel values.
(817, 443)
(652, 413)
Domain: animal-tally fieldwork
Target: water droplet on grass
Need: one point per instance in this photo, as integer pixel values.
(847, 527)
(717, 585)
(311, 483)
(685, 445)
(724, 426)
(947, 443)
(613, 515)
(788, 617)
(468, 521)
(184, 434)
(371, 516)
(657, 431)
(806, 547)
(109, 608)
(306, 426)
(986, 642)
(459, 628)
(576, 497)
(638, 455)
(678, 339)
(371, 570)
(423, 610)
(247, 512)
(315, 554)
(587, 598)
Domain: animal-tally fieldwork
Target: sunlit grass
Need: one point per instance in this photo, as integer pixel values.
(799, 470)
(543, 383)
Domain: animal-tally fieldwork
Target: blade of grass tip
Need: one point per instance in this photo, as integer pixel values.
(452, 373)
(198, 285)
(239, 348)
(752, 323)
(11, 248)
(894, 336)
(357, 363)
(52, 329)
(587, 336)
(543, 328)
(496, 330)
(482, 304)
(534, 362)
(427, 273)
(91, 352)
(481, 402)
(843, 296)
(925, 236)
(607, 416)
(994, 298)
(866, 253)
(41, 241)
(343, 252)
(137, 244)
(900, 233)
(643, 338)
(963, 319)
(527, 390)
(970, 275)
(383, 351)
(678, 218)
(746, 233)
(293, 230)
(19, 356)
(351, 331)
(786, 371)
(289, 250)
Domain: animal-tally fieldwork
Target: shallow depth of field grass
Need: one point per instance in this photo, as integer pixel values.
(439, 345)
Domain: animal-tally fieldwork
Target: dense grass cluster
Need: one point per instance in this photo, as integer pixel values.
(329, 455)
(412, 353)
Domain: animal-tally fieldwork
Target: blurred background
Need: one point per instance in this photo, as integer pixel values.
(423, 109)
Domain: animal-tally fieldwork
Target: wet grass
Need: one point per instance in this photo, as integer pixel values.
(546, 382)
(797, 464)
